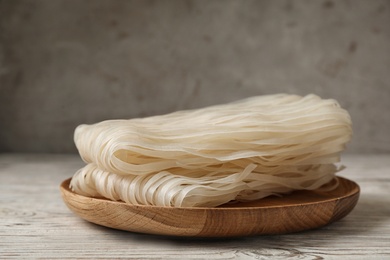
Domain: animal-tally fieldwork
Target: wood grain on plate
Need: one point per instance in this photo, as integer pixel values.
(298, 211)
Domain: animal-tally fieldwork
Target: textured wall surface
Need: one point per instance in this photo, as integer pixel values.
(66, 62)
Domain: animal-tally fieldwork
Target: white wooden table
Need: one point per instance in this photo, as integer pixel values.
(35, 223)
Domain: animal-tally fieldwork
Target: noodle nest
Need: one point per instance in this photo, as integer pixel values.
(240, 151)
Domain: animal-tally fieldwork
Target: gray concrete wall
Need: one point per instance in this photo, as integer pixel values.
(67, 62)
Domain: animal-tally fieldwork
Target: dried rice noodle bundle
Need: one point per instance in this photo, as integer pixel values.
(167, 189)
(291, 142)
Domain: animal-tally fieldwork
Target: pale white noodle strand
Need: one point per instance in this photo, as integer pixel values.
(194, 157)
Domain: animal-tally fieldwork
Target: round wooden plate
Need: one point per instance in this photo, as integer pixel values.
(300, 210)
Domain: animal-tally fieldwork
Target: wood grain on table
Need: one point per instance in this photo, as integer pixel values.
(35, 223)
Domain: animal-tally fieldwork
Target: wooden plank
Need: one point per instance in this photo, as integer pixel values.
(35, 223)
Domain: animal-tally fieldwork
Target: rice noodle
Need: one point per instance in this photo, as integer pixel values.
(245, 150)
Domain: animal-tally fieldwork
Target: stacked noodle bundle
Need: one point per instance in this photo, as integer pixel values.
(240, 151)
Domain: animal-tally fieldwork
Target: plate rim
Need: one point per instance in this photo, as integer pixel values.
(64, 186)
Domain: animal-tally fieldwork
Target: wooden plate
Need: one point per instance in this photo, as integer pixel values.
(300, 210)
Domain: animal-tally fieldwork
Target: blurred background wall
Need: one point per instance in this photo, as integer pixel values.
(67, 62)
